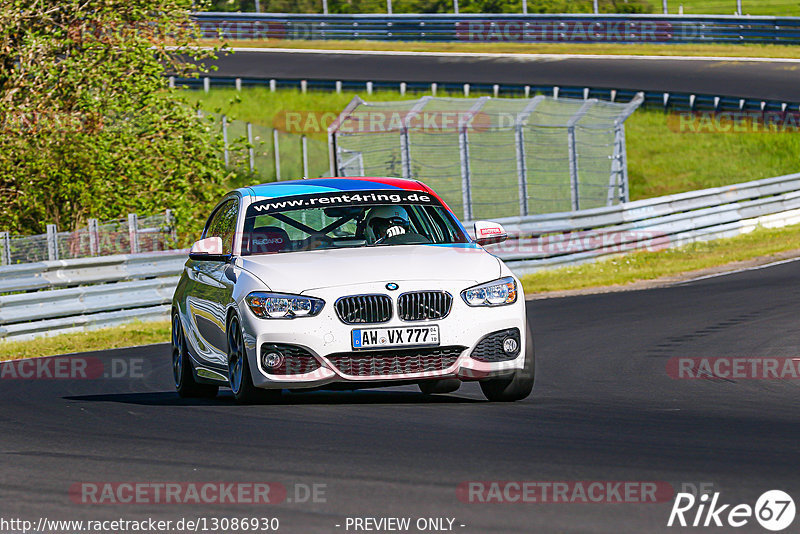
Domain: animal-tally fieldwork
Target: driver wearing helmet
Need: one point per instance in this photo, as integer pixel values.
(383, 222)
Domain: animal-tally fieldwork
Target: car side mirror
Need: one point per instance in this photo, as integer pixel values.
(208, 249)
(489, 233)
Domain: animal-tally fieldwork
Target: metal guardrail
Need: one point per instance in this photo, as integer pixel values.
(668, 101)
(68, 295)
(503, 28)
(558, 239)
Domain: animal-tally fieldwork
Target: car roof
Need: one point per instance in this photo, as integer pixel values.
(330, 185)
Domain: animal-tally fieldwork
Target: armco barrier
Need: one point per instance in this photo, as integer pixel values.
(559, 239)
(61, 296)
(503, 28)
(67, 295)
(652, 99)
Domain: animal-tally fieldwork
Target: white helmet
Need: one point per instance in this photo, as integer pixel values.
(381, 218)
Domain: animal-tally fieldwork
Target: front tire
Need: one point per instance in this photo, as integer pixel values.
(239, 377)
(182, 371)
(517, 386)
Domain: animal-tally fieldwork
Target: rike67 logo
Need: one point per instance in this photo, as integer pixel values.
(774, 510)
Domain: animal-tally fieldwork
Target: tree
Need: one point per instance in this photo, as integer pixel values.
(89, 125)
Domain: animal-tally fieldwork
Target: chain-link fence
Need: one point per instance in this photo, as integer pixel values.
(131, 235)
(269, 154)
(492, 157)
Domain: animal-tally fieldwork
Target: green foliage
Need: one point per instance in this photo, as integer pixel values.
(434, 6)
(89, 126)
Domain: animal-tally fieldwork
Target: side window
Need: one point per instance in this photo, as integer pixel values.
(223, 224)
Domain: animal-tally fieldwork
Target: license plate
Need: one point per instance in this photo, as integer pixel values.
(380, 338)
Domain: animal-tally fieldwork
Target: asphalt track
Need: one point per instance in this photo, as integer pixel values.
(770, 80)
(603, 409)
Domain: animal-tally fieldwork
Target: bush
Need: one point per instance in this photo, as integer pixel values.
(89, 126)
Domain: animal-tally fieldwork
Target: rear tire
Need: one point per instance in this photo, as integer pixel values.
(439, 387)
(518, 385)
(182, 370)
(239, 377)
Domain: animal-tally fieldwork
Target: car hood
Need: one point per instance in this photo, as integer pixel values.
(295, 272)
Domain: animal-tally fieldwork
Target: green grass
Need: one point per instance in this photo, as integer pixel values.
(657, 49)
(628, 268)
(108, 338)
(780, 8)
(661, 161)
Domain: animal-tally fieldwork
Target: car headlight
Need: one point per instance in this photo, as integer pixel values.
(496, 293)
(281, 306)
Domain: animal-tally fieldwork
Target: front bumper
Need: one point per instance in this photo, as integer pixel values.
(328, 340)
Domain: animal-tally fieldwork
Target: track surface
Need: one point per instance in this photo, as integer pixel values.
(604, 409)
(762, 80)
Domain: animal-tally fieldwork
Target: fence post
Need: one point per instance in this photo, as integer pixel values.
(133, 232)
(52, 242)
(596, 10)
(405, 141)
(324, 7)
(388, 7)
(94, 237)
(666, 11)
(169, 220)
(5, 242)
(524, 7)
(455, 7)
(463, 149)
(206, 84)
(573, 152)
(276, 150)
(304, 149)
(522, 168)
(225, 139)
(251, 150)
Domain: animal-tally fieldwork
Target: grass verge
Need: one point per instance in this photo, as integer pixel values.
(638, 266)
(663, 49)
(128, 335)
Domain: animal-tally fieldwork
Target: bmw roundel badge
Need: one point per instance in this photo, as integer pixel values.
(391, 286)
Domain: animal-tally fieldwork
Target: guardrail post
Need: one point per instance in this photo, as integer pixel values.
(5, 247)
(276, 150)
(94, 237)
(238, 84)
(250, 150)
(52, 242)
(133, 232)
(206, 84)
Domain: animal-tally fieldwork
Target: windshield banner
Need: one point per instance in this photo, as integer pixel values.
(343, 199)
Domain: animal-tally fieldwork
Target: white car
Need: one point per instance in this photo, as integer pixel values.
(345, 283)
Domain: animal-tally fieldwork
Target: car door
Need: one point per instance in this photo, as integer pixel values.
(208, 294)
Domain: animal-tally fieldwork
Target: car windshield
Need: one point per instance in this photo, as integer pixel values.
(348, 220)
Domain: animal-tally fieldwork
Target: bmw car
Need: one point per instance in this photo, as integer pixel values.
(347, 283)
